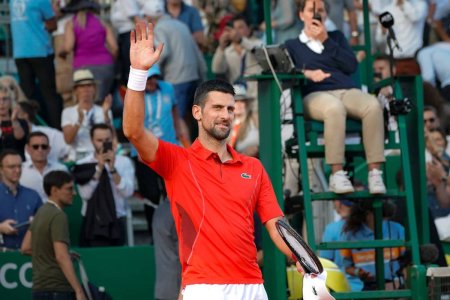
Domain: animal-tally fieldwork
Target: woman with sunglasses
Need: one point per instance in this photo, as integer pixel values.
(13, 131)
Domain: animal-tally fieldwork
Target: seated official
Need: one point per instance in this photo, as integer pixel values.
(330, 95)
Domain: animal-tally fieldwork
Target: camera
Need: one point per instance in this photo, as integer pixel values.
(400, 106)
(107, 146)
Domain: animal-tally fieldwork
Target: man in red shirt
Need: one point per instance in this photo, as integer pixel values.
(213, 190)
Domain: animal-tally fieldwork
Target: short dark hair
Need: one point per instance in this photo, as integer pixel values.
(31, 108)
(7, 152)
(100, 126)
(382, 56)
(214, 85)
(36, 133)
(239, 17)
(56, 179)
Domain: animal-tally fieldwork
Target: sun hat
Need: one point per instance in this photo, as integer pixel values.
(82, 77)
(154, 71)
(153, 8)
(240, 92)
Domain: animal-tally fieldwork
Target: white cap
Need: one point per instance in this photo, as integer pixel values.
(153, 8)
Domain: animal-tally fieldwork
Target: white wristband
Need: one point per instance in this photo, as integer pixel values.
(137, 79)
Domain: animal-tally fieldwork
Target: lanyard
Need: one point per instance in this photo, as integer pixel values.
(54, 203)
(158, 107)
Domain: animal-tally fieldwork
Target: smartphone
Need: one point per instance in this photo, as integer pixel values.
(107, 146)
(316, 15)
(20, 225)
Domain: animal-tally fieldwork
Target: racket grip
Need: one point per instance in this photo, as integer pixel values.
(294, 257)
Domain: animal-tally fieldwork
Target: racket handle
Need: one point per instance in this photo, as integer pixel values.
(294, 257)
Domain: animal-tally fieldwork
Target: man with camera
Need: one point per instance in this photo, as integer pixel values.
(330, 95)
(105, 181)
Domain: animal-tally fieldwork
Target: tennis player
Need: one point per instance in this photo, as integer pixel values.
(213, 190)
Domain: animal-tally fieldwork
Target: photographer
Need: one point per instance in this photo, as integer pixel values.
(105, 181)
(233, 58)
(330, 95)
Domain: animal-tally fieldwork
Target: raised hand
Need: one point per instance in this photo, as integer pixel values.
(143, 55)
(107, 103)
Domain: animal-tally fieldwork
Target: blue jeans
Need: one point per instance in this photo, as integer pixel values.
(53, 296)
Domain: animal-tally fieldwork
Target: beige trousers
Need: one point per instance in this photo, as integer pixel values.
(333, 107)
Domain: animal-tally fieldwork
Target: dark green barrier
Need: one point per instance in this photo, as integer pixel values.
(125, 272)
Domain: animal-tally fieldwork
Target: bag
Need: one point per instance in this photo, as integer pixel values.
(91, 290)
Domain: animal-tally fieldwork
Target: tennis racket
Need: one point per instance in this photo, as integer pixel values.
(302, 252)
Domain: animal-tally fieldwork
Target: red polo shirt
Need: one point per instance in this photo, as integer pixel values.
(213, 205)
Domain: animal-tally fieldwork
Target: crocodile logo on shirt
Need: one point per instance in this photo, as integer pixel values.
(246, 176)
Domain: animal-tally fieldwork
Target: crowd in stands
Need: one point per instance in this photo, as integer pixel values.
(63, 109)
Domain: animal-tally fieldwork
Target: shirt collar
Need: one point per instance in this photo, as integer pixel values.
(205, 154)
(315, 45)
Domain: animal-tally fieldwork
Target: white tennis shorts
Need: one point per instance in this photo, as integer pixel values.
(224, 292)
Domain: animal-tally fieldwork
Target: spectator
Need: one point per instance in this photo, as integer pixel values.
(18, 204)
(409, 24)
(35, 168)
(244, 136)
(31, 23)
(333, 233)
(182, 63)
(48, 242)
(430, 118)
(59, 150)
(77, 120)
(14, 131)
(162, 118)
(285, 24)
(93, 44)
(63, 66)
(107, 184)
(361, 262)
(190, 16)
(433, 65)
(233, 59)
(438, 166)
(124, 14)
(330, 95)
(337, 12)
(15, 92)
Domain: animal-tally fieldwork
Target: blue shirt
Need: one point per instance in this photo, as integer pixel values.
(190, 16)
(365, 258)
(30, 38)
(158, 113)
(337, 59)
(333, 233)
(18, 208)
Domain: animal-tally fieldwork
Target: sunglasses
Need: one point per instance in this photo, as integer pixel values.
(42, 146)
(431, 120)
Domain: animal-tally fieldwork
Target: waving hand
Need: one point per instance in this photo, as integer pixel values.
(143, 54)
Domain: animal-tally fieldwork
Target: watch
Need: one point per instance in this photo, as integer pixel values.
(355, 33)
(112, 171)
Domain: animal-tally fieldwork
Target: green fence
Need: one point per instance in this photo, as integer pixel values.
(125, 272)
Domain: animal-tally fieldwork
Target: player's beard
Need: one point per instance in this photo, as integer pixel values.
(217, 133)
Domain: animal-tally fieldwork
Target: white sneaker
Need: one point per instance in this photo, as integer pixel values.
(340, 184)
(376, 184)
